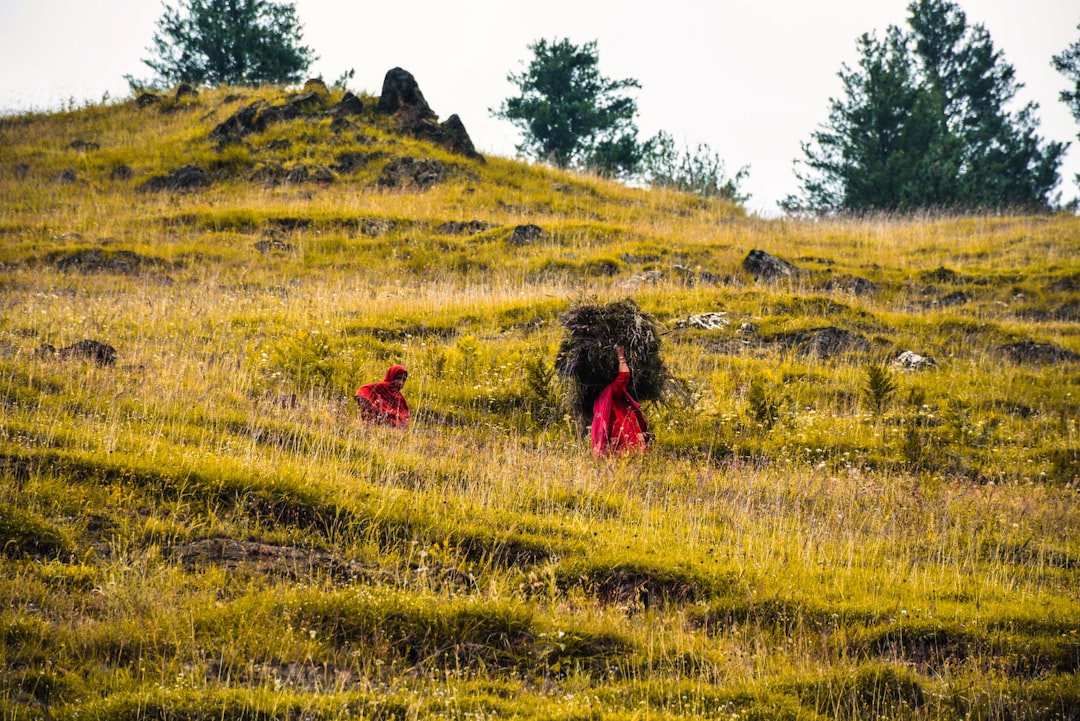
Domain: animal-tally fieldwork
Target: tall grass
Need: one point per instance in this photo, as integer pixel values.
(205, 530)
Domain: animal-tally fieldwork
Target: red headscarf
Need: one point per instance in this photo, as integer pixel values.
(618, 423)
(387, 405)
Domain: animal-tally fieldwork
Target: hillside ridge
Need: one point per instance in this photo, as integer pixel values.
(861, 502)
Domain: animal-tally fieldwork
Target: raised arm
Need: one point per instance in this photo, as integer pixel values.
(620, 353)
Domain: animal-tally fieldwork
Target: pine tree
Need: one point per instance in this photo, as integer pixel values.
(572, 116)
(1068, 64)
(924, 125)
(235, 42)
(862, 159)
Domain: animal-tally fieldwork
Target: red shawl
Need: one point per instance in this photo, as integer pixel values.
(618, 423)
(385, 403)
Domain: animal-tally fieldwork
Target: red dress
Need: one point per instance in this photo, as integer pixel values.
(385, 404)
(618, 423)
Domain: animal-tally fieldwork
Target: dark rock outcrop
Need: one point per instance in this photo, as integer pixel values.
(185, 90)
(824, 343)
(450, 135)
(274, 245)
(853, 284)
(181, 180)
(342, 125)
(401, 94)
(101, 353)
(401, 98)
(254, 118)
(829, 342)
(374, 226)
(94, 260)
(419, 173)
(243, 121)
(472, 227)
(767, 267)
(272, 174)
(1028, 351)
(955, 298)
(1066, 284)
(289, 560)
(525, 234)
(348, 105)
(350, 161)
(272, 114)
(692, 277)
(940, 274)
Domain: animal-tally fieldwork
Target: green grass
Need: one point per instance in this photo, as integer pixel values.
(203, 530)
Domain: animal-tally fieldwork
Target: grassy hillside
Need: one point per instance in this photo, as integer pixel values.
(202, 529)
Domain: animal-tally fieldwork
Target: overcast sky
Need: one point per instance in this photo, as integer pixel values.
(751, 78)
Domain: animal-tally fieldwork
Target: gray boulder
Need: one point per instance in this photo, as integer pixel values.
(912, 361)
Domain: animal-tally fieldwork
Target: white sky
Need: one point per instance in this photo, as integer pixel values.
(751, 78)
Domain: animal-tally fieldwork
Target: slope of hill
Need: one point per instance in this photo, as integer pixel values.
(861, 502)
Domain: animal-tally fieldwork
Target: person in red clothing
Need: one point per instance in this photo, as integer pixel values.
(618, 423)
(382, 402)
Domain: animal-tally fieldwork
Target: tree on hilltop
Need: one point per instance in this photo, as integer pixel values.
(924, 125)
(229, 42)
(572, 116)
(1068, 64)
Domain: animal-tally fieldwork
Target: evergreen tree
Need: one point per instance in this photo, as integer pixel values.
(572, 116)
(862, 159)
(234, 42)
(1068, 64)
(924, 125)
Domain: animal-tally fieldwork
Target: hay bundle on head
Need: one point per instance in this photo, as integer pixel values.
(586, 358)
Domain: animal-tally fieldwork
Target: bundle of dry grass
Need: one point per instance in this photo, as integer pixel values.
(586, 359)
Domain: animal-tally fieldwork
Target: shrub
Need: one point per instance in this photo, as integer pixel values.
(879, 388)
(764, 406)
(302, 361)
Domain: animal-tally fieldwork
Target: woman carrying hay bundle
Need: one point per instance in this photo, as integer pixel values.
(603, 394)
(618, 424)
(382, 403)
